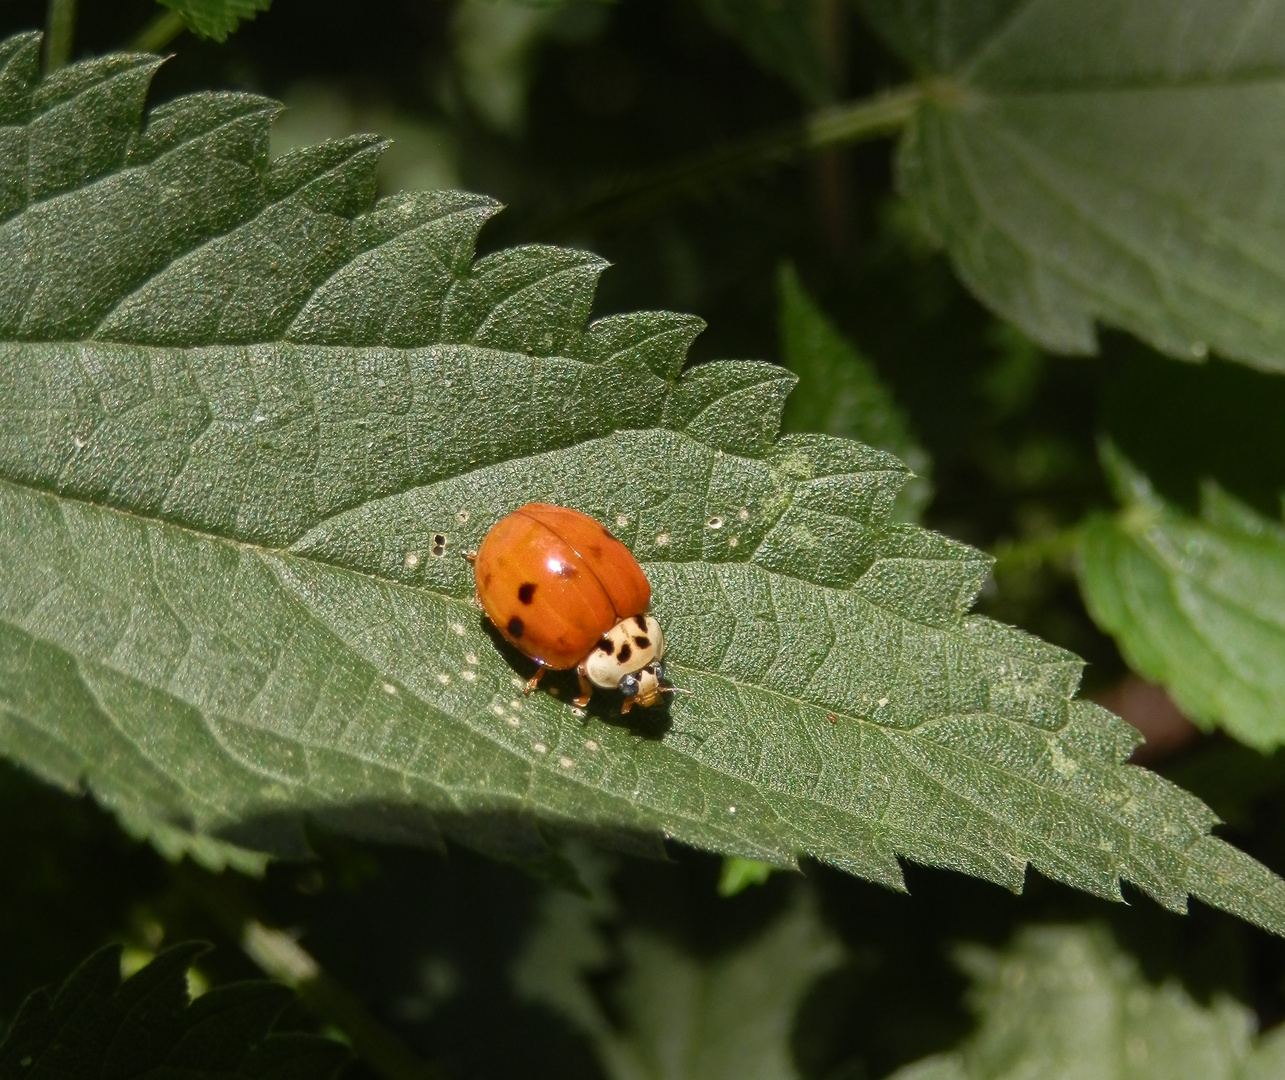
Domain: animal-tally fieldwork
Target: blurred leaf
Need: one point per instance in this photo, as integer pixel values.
(738, 875)
(69, 879)
(786, 37)
(1105, 160)
(422, 154)
(95, 1026)
(493, 47)
(840, 393)
(251, 422)
(728, 1017)
(1197, 605)
(1065, 1003)
(216, 18)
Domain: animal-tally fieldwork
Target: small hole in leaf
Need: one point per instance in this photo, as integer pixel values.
(715, 522)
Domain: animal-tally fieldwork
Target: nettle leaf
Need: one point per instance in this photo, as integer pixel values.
(1110, 160)
(1064, 1002)
(251, 421)
(95, 1025)
(216, 18)
(1196, 604)
(839, 392)
(723, 1017)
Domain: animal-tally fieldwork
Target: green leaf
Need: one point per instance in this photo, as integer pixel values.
(1105, 160)
(251, 421)
(840, 393)
(786, 37)
(96, 1025)
(1196, 604)
(739, 874)
(216, 19)
(1064, 1002)
(726, 1017)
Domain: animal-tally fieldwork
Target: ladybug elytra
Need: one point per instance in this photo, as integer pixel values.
(568, 594)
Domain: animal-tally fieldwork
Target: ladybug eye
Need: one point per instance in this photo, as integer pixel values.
(629, 685)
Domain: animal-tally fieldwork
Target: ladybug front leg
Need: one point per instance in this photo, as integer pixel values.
(534, 681)
(586, 689)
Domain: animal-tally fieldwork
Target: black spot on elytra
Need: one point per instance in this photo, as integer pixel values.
(486, 579)
(642, 642)
(642, 623)
(606, 646)
(515, 627)
(625, 653)
(595, 551)
(526, 591)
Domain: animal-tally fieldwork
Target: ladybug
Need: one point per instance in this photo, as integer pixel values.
(568, 594)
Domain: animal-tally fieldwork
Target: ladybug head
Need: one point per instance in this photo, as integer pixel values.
(645, 686)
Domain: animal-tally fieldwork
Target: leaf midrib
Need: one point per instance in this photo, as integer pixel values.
(892, 735)
(264, 554)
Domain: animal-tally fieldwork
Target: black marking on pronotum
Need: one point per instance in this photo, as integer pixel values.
(606, 646)
(642, 642)
(515, 627)
(641, 621)
(526, 591)
(625, 653)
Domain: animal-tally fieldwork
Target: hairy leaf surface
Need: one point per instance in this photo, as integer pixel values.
(1112, 160)
(1064, 1002)
(1197, 605)
(249, 423)
(216, 18)
(94, 1025)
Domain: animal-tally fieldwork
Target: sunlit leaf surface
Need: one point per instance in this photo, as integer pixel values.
(249, 422)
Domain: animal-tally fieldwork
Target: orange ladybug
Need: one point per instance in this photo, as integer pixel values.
(567, 593)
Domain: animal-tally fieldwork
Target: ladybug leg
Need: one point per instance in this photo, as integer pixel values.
(626, 705)
(470, 555)
(534, 681)
(586, 690)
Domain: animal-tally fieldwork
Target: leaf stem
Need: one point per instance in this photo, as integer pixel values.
(159, 32)
(835, 125)
(60, 32)
(281, 957)
(284, 959)
(1055, 548)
